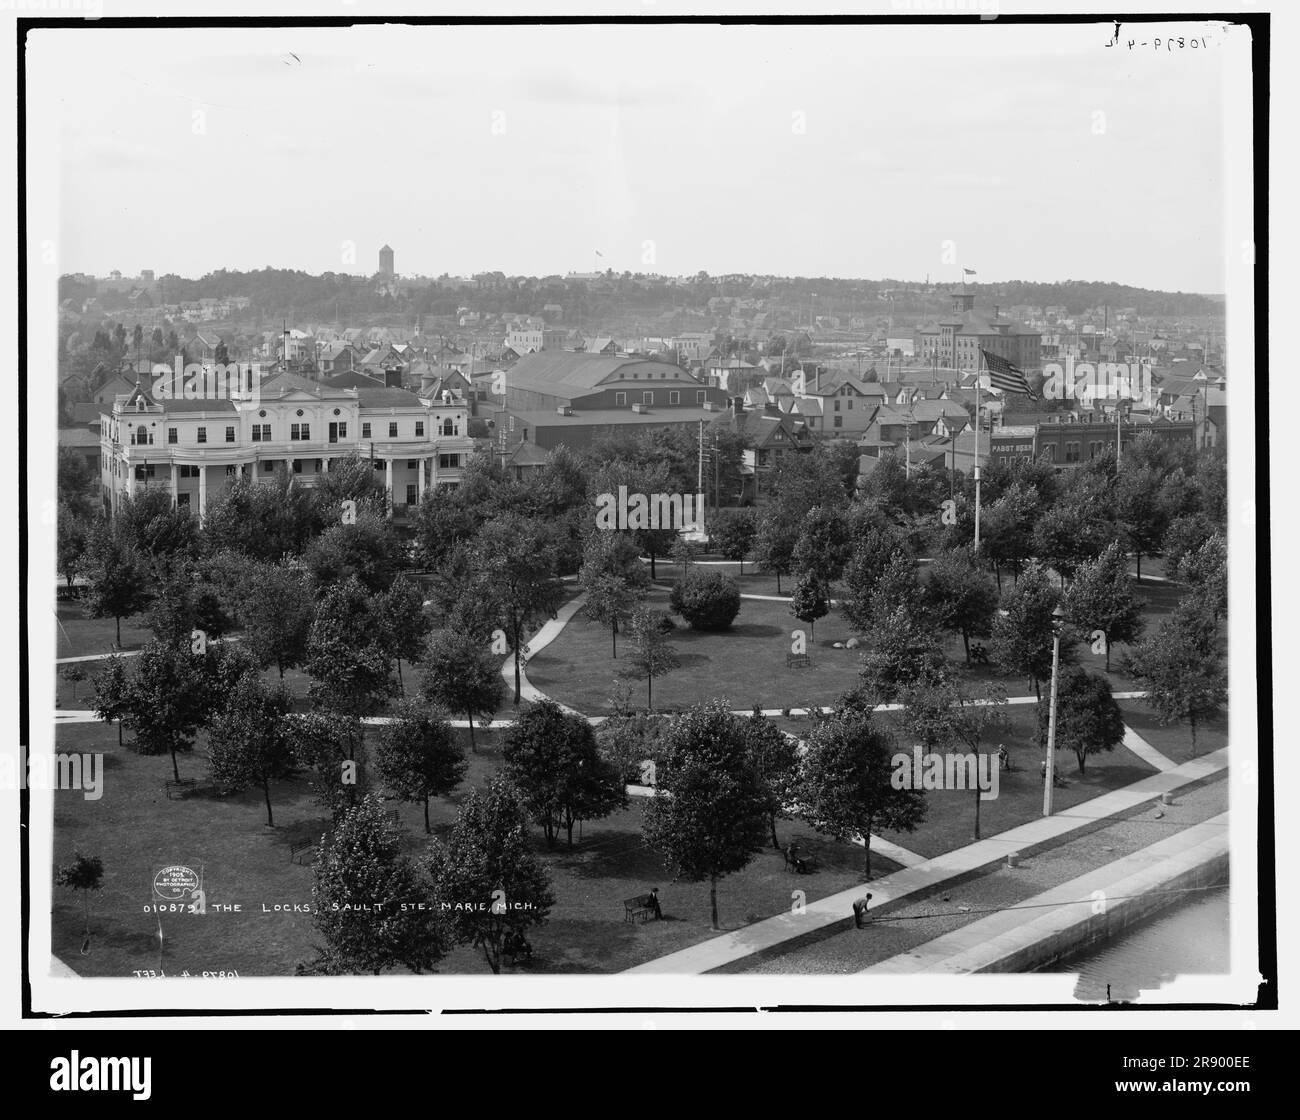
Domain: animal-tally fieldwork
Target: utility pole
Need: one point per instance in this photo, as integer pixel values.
(1049, 770)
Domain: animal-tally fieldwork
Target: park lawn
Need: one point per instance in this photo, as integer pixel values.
(136, 830)
(950, 817)
(1174, 740)
(79, 636)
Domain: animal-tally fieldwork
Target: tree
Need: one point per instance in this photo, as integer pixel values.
(250, 742)
(403, 625)
(1007, 529)
(168, 699)
(461, 675)
(774, 543)
(118, 578)
(551, 757)
(487, 874)
(775, 758)
(1140, 511)
(73, 540)
(809, 602)
(326, 742)
(374, 907)
(367, 549)
(684, 552)
(184, 601)
(351, 672)
(418, 756)
(514, 564)
(1101, 598)
(1023, 630)
(1181, 668)
(111, 687)
(732, 533)
(1185, 534)
(901, 649)
(960, 597)
(823, 546)
(278, 611)
(707, 817)
(1088, 721)
(1205, 571)
(613, 579)
(707, 600)
(83, 875)
(875, 550)
(846, 789)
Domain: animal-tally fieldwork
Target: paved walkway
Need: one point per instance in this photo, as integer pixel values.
(773, 932)
(1146, 752)
(999, 939)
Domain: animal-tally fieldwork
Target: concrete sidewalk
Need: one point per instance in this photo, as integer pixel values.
(773, 932)
(1038, 930)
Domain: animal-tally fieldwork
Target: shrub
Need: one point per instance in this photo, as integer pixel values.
(707, 600)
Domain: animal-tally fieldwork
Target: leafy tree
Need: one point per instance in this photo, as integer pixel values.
(774, 543)
(118, 578)
(350, 478)
(732, 533)
(1088, 721)
(551, 757)
(707, 600)
(1023, 630)
(960, 597)
(708, 815)
(367, 550)
(613, 580)
(83, 875)
(156, 529)
(326, 742)
(249, 741)
(488, 875)
(168, 700)
(824, 545)
(461, 675)
(653, 654)
(775, 758)
(901, 649)
(1181, 668)
(75, 485)
(278, 611)
(112, 685)
(1101, 598)
(403, 625)
(514, 561)
(265, 520)
(1185, 534)
(1205, 571)
(375, 907)
(73, 540)
(418, 756)
(873, 552)
(442, 521)
(809, 602)
(184, 602)
(1140, 511)
(846, 789)
(350, 670)
(1007, 529)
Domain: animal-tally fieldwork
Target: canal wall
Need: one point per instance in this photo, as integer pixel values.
(1079, 913)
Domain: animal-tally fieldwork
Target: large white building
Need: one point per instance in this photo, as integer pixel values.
(197, 445)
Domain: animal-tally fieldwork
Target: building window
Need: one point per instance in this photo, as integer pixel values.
(674, 397)
(419, 427)
(392, 429)
(448, 462)
(837, 405)
(839, 421)
(620, 399)
(449, 429)
(365, 430)
(230, 433)
(267, 466)
(203, 435)
(297, 466)
(412, 464)
(410, 493)
(647, 398)
(700, 396)
(182, 500)
(343, 429)
(1071, 452)
(230, 472)
(171, 435)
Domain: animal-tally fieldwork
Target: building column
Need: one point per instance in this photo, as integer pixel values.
(130, 480)
(174, 486)
(420, 493)
(388, 483)
(203, 493)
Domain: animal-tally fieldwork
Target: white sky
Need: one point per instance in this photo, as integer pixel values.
(613, 137)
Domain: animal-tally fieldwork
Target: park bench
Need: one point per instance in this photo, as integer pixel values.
(637, 908)
(800, 865)
(798, 661)
(191, 787)
(301, 847)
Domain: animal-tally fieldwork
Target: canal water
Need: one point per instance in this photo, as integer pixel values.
(1189, 939)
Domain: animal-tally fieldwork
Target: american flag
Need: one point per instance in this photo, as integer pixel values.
(1005, 375)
